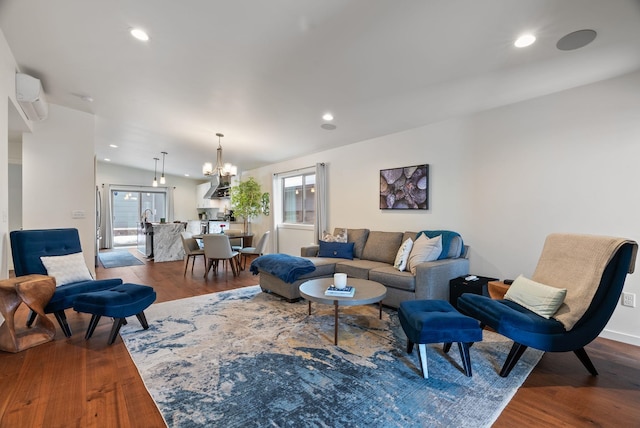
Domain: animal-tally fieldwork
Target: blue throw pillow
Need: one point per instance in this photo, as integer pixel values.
(339, 250)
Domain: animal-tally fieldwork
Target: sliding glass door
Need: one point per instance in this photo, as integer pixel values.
(130, 209)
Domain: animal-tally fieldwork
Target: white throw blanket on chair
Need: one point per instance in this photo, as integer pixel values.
(577, 262)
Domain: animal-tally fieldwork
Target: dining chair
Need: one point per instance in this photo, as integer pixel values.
(217, 247)
(256, 251)
(192, 250)
(236, 243)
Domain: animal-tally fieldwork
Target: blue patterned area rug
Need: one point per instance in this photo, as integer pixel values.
(244, 358)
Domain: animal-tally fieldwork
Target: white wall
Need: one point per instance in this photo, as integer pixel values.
(58, 175)
(184, 194)
(506, 178)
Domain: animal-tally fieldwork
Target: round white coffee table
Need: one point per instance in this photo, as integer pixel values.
(367, 292)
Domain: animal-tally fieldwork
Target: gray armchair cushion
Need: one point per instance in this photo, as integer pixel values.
(382, 246)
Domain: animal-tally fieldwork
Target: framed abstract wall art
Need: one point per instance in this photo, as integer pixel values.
(405, 188)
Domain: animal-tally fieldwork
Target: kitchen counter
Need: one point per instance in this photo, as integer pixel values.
(167, 245)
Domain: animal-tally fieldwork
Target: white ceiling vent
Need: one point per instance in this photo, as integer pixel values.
(31, 97)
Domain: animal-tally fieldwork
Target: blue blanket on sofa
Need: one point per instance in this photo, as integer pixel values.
(287, 268)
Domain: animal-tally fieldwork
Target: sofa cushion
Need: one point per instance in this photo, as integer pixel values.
(358, 237)
(391, 277)
(325, 266)
(410, 235)
(424, 250)
(358, 268)
(382, 246)
(336, 249)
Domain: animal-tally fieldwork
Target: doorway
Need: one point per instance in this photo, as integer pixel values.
(131, 209)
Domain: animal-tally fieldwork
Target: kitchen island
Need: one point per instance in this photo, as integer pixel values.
(165, 242)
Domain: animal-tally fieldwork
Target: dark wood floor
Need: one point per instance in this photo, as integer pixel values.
(77, 383)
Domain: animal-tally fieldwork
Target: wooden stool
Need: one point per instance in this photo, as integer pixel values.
(35, 291)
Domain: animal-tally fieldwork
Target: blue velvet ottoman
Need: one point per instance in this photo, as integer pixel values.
(118, 302)
(436, 321)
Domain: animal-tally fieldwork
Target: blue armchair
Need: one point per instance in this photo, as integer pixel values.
(27, 246)
(567, 261)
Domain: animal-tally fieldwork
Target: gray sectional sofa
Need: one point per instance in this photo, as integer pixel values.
(374, 254)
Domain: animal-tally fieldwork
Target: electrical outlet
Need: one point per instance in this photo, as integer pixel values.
(629, 299)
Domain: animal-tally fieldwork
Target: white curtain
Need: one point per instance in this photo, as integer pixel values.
(106, 215)
(321, 201)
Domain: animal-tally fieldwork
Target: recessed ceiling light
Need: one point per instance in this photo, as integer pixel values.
(186, 175)
(115, 146)
(327, 117)
(139, 34)
(107, 160)
(328, 126)
(525, 40)
(86, 98)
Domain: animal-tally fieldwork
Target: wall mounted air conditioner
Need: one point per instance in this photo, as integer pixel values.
(31, 97)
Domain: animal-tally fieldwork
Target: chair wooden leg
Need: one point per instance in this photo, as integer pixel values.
(207, 266)
(62, 320)
(514, 355)
(186, 265)
(92, 326)
(586, 361)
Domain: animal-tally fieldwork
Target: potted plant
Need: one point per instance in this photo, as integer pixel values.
(247, 201)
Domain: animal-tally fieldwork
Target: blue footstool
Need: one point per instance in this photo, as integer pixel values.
(118, 302)
(436, 321)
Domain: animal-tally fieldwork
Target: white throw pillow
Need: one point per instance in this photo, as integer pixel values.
(424, 250)
(67, 269)
(403, 255)
(542, 299)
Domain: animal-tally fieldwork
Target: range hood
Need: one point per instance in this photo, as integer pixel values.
(218, 189)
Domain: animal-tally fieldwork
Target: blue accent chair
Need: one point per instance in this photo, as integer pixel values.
(527, 329)
(27, 246)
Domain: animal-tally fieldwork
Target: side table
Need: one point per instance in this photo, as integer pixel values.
(459, 286)
(35, 291)
(497, 289)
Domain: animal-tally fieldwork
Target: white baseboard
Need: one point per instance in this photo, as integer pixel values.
(620, 337)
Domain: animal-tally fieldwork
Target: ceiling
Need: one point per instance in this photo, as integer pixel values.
(264, 72)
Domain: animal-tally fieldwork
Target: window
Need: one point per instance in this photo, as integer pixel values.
(298, 199)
